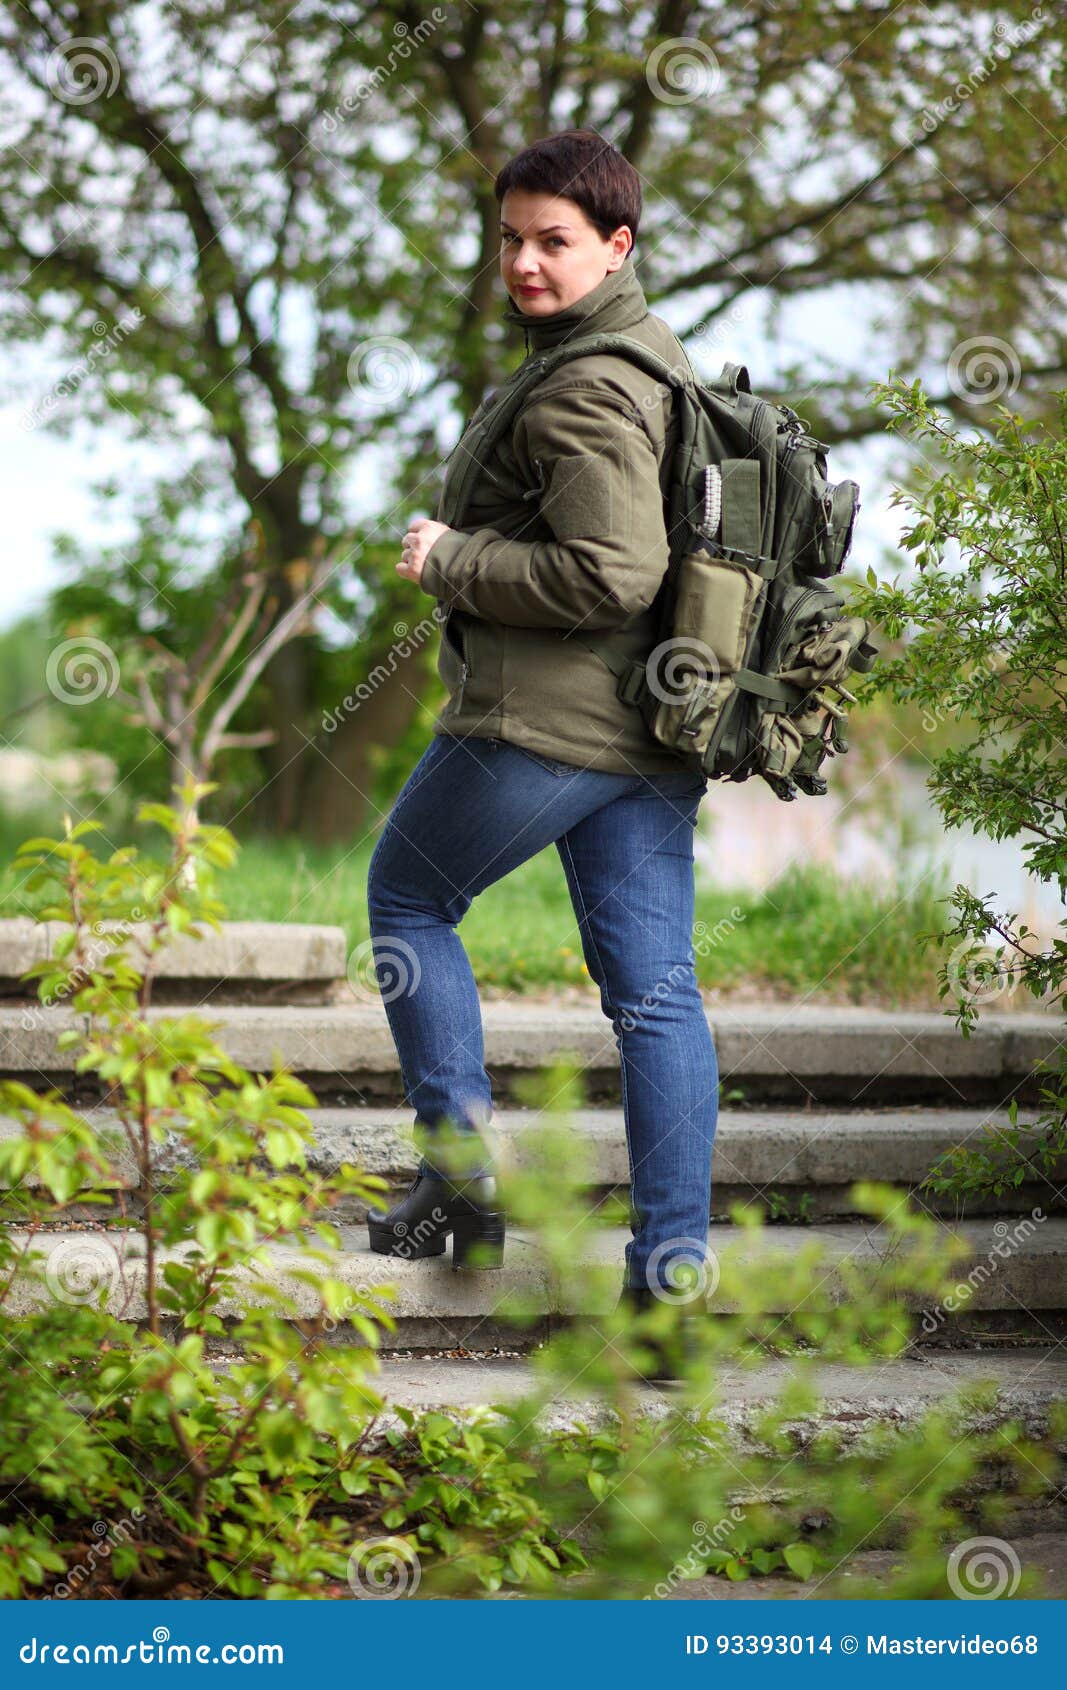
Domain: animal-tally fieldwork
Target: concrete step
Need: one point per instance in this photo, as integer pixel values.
(798, 1163)
(1016, 1268)
(769, 1054)
(1028, 1381)
(979, 1391)
(266, 962)
(1025, 1537)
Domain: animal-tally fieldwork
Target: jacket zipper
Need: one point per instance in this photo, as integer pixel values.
(459, 646)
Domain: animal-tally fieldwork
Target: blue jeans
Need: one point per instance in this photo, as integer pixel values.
(471, 811)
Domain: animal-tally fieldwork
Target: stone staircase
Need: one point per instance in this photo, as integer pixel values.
(817, 1099)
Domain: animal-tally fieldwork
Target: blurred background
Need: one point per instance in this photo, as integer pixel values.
(251, 291)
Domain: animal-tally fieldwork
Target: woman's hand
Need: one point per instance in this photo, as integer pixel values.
(417, 542)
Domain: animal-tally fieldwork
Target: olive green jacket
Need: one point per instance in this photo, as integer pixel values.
(564, 534)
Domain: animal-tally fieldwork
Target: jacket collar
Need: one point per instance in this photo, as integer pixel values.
(617, 302)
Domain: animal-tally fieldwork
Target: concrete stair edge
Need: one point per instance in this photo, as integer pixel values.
(864, 1053)
(1028, 1383)
(1019, 1265)
(758, 1147)
(277, 951)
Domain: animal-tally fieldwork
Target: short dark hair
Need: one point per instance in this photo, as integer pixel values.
(582, 166)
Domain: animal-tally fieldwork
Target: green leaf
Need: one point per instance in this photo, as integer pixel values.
(765, 1560)
(800, 1559)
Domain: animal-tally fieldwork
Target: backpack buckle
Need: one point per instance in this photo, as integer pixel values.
(632, 685)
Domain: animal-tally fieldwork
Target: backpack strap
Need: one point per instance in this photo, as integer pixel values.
(741, 515)
(625, 669)
(499, 418)
(781, 693)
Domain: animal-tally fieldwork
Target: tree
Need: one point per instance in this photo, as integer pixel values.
(987, 646)
(271, 231)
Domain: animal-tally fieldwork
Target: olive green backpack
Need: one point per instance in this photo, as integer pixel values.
(751, 640)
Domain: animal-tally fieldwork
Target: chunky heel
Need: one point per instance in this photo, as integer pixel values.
(405, 1241)
(478, 1241)
(418, 1224)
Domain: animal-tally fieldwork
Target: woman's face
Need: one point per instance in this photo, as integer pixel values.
(548, 244)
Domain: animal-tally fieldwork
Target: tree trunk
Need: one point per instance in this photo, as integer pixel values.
(289, 543)
(278, 804)
(336, 803)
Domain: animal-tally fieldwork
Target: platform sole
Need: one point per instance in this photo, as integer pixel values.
(477, 1242)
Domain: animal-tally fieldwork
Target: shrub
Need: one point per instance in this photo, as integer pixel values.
(135, 1465)
(986, 622)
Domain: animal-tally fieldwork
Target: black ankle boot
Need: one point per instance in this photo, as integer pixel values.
(419, 1223)
(668, 1353)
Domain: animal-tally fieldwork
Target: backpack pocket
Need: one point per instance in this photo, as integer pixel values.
(715, 609)
(830, 525)
(690, 676)
(793, 745)
(826, 656)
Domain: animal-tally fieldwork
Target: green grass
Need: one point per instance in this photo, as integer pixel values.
(847, 942)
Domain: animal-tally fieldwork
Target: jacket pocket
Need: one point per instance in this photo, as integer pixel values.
(456, 637)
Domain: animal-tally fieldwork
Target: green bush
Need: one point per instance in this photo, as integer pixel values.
(986, 626)
(253, 1483)
(135, 1465)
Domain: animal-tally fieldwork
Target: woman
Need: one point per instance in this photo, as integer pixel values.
(565, 535)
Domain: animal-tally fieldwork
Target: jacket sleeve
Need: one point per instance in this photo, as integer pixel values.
(603, 503)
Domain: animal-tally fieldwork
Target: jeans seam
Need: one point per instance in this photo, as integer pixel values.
(563, 845)
(583, 914)
(553, 765)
